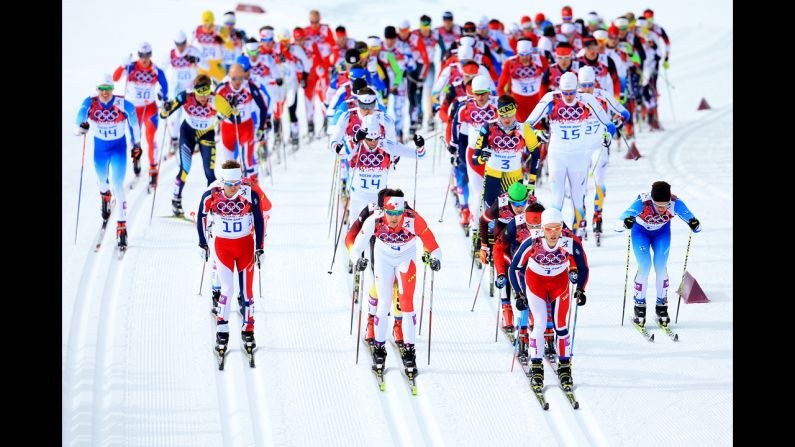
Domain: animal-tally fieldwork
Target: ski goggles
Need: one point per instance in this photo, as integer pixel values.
(661, 204)
(145, 55)
(204, 90)
(396, 212)
(587, 84)
(252, 53)
(568, 93)
(233, 183)
(104, 88)
(519, 203)
(238, 78)
(553, 228)
(481, 93)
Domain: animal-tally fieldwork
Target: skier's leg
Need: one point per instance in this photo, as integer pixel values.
(407, 274)
(224, 261)
(384, 277)
(537, 307)
(245, 267)
(118, 169)
(557, 180)
(640, 245)
(207, 150)
(578, 176)
(661, 247)
(560, 315)
(187, 140)
(150, 122)
(246, 130)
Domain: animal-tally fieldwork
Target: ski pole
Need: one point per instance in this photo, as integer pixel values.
(497, 325)
(201, 282)
(416, 168)
(157, 169)
(477, 291)
(422, 305)
(259, 276)
(670, 99)
(626, 279)
(333, 187)
(80, 189)
(447, 193)
(682, 283)
(359, 329)
(336, 244)
(478, 238)
(353, 296)
(430, 320)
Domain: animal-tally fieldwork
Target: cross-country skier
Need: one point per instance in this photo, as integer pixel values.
(207, 37)
(112, 117)
(143, 79)
(396, 230)
(540, 273)
(198, 128)
(649, 218)
(521, 74)
(233, 209)
(182, 61)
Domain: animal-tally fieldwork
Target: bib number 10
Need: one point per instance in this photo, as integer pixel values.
(236, 227)
(374, 182)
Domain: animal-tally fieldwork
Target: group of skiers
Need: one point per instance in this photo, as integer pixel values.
(511, 100)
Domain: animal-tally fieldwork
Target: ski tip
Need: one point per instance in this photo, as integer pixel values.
(329, 272)
(414, 391)
(382, 386)
(546, 406)
(676, 337)
(576, 405)
(651, 339)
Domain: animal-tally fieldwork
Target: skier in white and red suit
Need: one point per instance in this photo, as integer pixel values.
(396, 230)
(539, 273)
(234, 209)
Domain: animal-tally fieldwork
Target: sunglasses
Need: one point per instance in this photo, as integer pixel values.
(571, 93)
(252, 53)
(662, 204)
(481, 93)
(553, 228)
(397, 212)
(586, 84)
(238, 78)
(234, 183)
(365, 106)
(202, 91)
(145, 55)
(105, 88)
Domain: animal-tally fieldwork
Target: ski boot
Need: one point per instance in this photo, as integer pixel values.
(325, 126)
(597, 222)
(136, 159)
(465, 216)
(216, 296)
(379, 356)
(277, 131)
(121, 235)
(537, 371)
(522, 346)
(564, 373)
(507, 318)
(221, 344)
(409, 357)
(152, 179)
(248, 341)
(106, 198)
(662, 315)
(176, 207)
(640, 315)
(294, 135)
(431, 124)
(370, 333)
(397, 332)
(310, 127)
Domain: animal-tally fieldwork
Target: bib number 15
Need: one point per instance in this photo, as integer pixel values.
(571, 134)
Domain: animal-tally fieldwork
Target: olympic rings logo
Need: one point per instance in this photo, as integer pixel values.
(395, 238)
(505, 142)
(146, 77)
(571, 113)
(370, 160)
(180, 62)
(481, 116)
(206, 38)
(525, 72)
(199, 110)
(240, 97)
(550, 258)
(105, 115)
(229, 207)
(656, 219)
(355, 128)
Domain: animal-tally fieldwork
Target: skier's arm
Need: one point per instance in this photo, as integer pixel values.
(161, 79)
(599, 112)
(177, 102)
(362, 239)
(426, 62)
(684, 213)
(263, 109)
(634, 209)
(350, 236)
(203, 215)
(427, 237)
(400, 150)
(617, 107)
(338, 135)
(82, 113)
(518, 263)
(438, 85)
(395, 68)
(542, 109)
(581, 261)
(480, 144)
(613, 72)
(121, 69)
(505, 79)
(259, 227)
(501, 247)
(489, 214)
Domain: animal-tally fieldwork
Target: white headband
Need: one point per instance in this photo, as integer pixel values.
(231, 174)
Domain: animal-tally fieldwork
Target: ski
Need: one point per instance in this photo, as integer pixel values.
(510, 334)
(537, 390)
(133, 182)
(378, 372)
(121, 251)
(649, 337)
(182, 217)
(220, 357)
(674, 336)
(101, 235)
(249, 354)
(598, 238)
(411, 377)
(567, 390)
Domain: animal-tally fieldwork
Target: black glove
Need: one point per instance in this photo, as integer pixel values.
(167, 106)
(579, 295)
(693, 223)
(521, 301)
(619, 123)
(192, 59)
(258, 254)
(136, 151)
(279, 82)
(395, 161)
(484, 155)
(233, 101)
(268, 126)
(159, 96)
(500, 281)
(205, 253)
(573, 276)
(219, 39)
(426, 258)
(542, 135)
(304, 75)
(629, 222)
(361, 264)
(84, 125)
(435, 264)
(452, 149)
(282, 58)
(360, 134)
(418, 140)
(454, 160)
(337, 148)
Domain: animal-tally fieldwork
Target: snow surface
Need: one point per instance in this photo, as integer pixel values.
(137, 367)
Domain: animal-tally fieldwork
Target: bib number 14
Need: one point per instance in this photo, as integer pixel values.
(374, 182)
